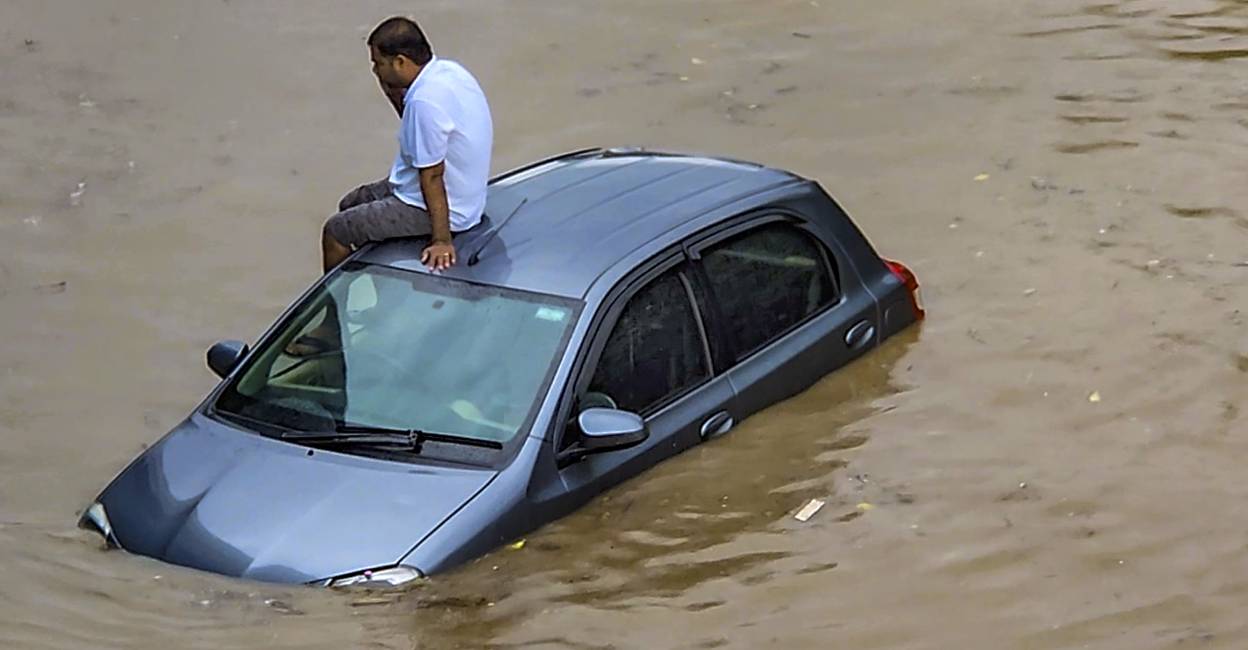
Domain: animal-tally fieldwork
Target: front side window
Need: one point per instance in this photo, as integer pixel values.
(767, 280)
(655, 350)
(382, 347)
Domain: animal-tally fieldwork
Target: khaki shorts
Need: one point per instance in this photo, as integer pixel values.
(373, 213)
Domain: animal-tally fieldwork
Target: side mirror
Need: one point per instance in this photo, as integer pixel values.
(225, 355)
(604, 429)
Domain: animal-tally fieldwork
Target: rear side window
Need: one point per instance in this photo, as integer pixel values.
(655, 351)
(768, 280)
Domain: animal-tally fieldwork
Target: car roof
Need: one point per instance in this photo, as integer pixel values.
(556, 225)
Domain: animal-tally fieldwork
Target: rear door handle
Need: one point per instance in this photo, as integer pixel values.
(860, 334)
(717, 425)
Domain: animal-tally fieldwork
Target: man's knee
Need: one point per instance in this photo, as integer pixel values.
(355, 197)
(349, 200)
(364, 194)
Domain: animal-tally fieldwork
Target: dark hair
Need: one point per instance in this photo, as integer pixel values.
(399, 35)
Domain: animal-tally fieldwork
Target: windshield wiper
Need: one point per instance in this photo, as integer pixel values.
(409, 439)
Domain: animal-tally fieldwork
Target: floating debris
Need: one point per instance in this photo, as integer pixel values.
(371, 600)
(982, 177)
(1094, 397)
(809, 510)
(282, 607)
(1042, 184)
(52, 288)
(75, 197)
(517, 545)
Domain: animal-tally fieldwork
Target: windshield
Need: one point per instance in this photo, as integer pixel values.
(381, 347)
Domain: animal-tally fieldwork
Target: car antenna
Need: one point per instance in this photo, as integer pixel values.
(476, 255)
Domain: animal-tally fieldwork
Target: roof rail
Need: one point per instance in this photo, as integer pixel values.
(570, 154)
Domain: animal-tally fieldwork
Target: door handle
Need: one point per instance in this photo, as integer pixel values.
(717, 425)
(860, 334)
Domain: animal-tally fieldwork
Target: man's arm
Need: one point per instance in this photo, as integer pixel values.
(441, 252)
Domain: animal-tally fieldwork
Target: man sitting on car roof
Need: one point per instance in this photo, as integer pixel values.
(437, 185)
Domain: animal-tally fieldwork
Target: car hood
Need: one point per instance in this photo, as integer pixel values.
(219, 499)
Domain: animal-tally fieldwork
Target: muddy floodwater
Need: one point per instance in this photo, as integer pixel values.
(1055, 459)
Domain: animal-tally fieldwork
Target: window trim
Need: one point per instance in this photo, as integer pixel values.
(718, 337)
(754, 220)
(604, 322)
(688, 283)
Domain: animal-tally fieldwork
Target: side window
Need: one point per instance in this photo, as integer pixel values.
(767, 280)
(655, 350)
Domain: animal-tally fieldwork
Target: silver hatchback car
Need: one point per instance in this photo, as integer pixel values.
(627, 305)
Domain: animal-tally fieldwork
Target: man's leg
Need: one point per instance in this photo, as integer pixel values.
(387, 218)
(379, 220)
(333, 250)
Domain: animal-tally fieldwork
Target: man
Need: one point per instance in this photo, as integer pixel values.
(437, 185)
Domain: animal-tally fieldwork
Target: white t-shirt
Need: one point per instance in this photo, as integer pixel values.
(445, 119)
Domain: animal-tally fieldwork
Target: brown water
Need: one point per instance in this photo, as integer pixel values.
(164, 168)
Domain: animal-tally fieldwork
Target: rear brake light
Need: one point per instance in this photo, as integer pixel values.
(908, 278)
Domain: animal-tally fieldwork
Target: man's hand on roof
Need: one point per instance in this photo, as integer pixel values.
(439, 256)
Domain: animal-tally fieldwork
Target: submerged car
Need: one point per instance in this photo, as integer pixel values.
(618, 306)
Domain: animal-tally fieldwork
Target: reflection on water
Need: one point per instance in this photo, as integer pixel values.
(1064, 176)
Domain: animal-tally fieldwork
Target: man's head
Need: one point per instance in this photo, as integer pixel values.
(399, 50)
